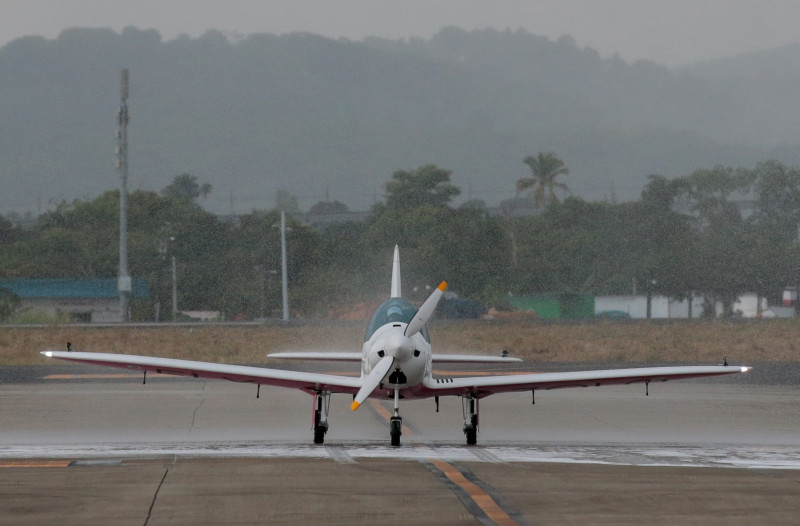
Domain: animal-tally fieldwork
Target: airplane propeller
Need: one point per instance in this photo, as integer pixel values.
(425, 311)
(372, 381)
(399, 346)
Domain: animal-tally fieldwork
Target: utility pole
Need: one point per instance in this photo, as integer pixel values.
(284, 277)
(124, 279)
(174, 290)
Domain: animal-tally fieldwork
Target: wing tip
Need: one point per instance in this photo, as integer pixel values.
(355, 405)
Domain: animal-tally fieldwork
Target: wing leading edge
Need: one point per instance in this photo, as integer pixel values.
(486, 385)
(330, 356)
(326, 356)
(309, 382)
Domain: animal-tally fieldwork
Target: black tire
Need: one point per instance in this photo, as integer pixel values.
(319, 435)
(472, 436)
(395, 430)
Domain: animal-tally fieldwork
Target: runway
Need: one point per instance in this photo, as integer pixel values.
(572, 447)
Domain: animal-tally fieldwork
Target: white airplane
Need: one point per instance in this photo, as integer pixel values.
(396, 363)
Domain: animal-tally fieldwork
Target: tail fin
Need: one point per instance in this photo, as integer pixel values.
(396, 290)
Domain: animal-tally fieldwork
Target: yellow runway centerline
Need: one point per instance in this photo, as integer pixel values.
(482, 499)
(36, 464)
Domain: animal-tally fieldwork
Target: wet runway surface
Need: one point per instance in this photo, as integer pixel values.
(576, 456)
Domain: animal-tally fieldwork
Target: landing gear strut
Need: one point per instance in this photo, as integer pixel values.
(396, 422)
(322, 403)
(469, 405)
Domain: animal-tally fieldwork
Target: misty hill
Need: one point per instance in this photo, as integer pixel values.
(318, 117)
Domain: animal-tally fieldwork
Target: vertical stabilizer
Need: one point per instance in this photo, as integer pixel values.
(396, 291)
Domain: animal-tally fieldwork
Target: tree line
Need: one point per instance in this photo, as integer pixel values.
(716, 232)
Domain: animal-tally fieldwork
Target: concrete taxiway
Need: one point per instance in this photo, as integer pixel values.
(96, 446)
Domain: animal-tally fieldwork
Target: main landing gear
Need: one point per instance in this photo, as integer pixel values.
(322, 403)
(469, 405)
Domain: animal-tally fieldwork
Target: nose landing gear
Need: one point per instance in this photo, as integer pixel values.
(396, 422)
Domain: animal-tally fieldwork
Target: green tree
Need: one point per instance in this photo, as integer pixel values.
(76, 240)
(660, 193)
(9, 302)
(721, 251)
(557, 249)
(254, 288)
(778, 193)
(709, 195)
(427, 185)
(465, 247)
(186, 188)
(545, 168)
(328, 207)
(8, 232)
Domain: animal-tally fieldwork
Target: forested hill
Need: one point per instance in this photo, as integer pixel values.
(316, 116)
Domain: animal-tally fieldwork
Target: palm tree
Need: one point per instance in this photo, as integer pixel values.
(545, 167)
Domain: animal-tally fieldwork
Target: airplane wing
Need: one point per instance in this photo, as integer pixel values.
(486, 385)
(309, 382)
(339, 356)
(466, 358)
(328, 356)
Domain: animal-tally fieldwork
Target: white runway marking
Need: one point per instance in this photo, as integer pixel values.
(340, 455)
(772, 457)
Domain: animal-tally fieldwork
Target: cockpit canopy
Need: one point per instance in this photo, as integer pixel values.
(394, 310)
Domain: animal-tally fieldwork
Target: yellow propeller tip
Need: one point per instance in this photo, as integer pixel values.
(355, 405)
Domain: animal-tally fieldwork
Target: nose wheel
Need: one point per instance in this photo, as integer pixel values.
(396, 422)
(395, 430)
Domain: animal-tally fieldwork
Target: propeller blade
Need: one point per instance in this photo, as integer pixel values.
(425, 311)
(372, 381)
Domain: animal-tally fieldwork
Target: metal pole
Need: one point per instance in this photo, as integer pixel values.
(284, 278)
(174, 289)
(123, 280)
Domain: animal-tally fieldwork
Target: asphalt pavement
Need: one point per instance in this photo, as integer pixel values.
(95, 446)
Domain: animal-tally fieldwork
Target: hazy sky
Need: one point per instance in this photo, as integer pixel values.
(671, 32)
